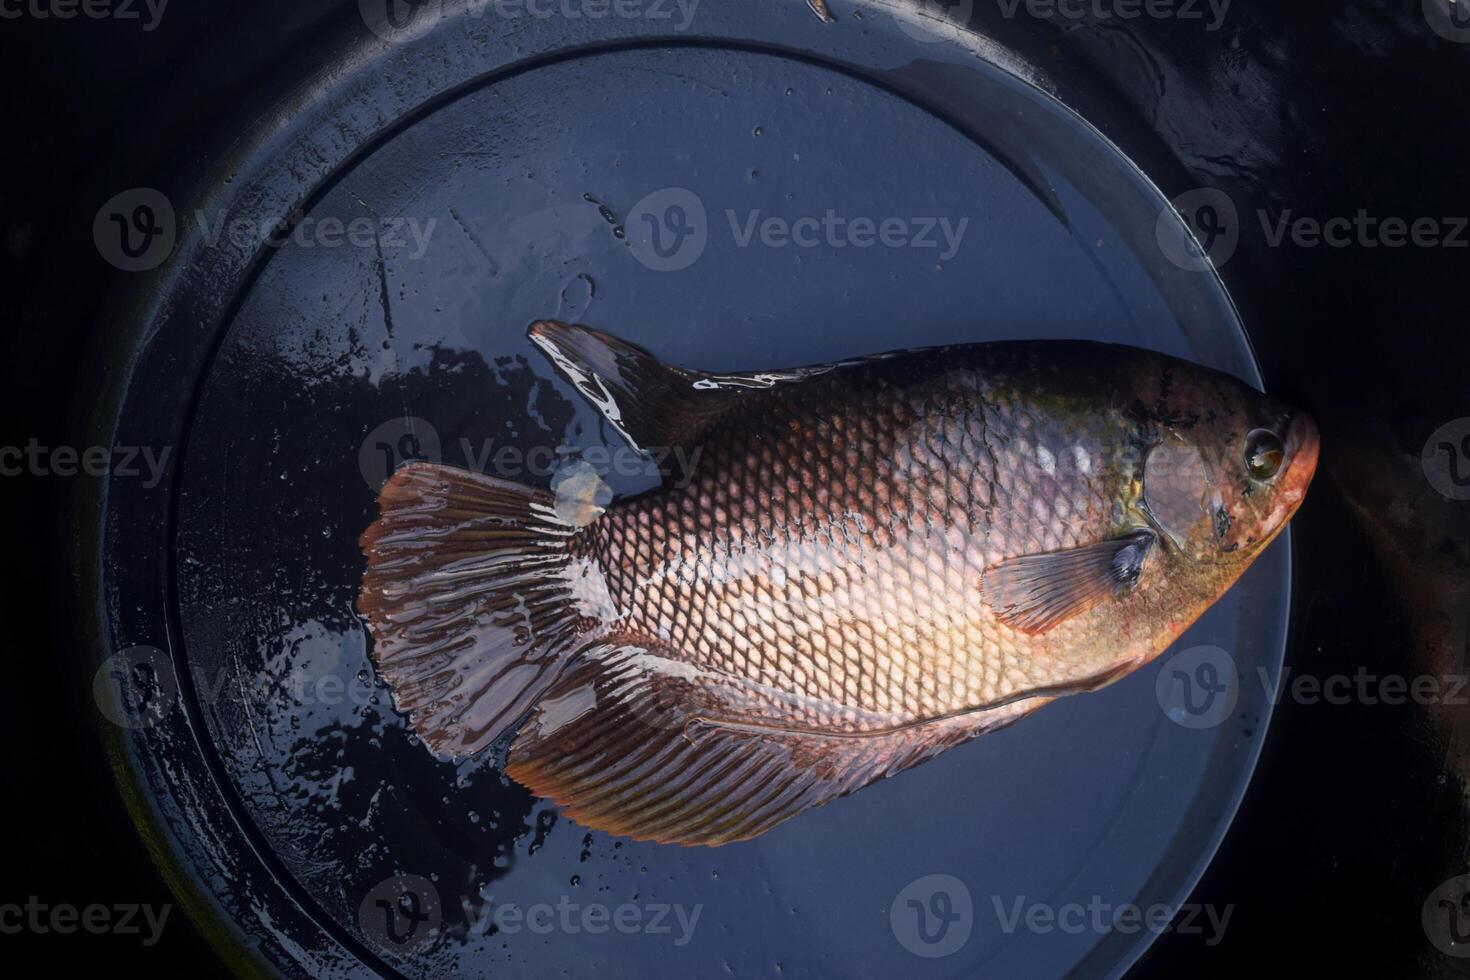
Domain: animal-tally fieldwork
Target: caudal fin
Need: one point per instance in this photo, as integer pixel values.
(469, 597)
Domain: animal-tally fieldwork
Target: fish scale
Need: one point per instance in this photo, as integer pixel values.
(871, 561)
(846, 560)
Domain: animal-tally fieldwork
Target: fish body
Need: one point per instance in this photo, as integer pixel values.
(872, 561)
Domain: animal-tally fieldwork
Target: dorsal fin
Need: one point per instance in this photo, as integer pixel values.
(651, 403)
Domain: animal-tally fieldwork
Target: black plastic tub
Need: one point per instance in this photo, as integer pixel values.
(331, 269)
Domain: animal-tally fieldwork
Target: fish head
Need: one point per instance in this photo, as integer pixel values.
(1226, 467)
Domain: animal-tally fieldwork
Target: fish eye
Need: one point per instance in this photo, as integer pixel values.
(1263, 453)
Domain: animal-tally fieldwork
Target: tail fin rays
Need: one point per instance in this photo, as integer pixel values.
(470, 597)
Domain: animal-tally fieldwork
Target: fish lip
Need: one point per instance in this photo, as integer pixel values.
(1303, 445)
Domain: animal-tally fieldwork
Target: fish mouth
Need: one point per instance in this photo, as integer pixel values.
(1302, 446)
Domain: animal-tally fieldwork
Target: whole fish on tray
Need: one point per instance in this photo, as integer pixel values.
(873, 561)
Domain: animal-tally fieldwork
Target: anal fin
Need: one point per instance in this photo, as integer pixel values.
(635, 744)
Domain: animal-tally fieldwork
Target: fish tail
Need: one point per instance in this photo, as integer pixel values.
(470, 597)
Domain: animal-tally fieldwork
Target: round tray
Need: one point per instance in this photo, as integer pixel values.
(350, 284)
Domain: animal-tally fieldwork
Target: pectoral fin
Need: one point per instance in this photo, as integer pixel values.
(1033, 593)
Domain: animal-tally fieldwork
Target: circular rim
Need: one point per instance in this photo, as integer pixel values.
(289, 165)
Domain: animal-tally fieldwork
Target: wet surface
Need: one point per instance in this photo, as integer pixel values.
(343, 358)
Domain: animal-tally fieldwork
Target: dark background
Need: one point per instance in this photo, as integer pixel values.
(1357, 811)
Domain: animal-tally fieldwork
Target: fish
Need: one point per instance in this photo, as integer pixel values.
(873, 561)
